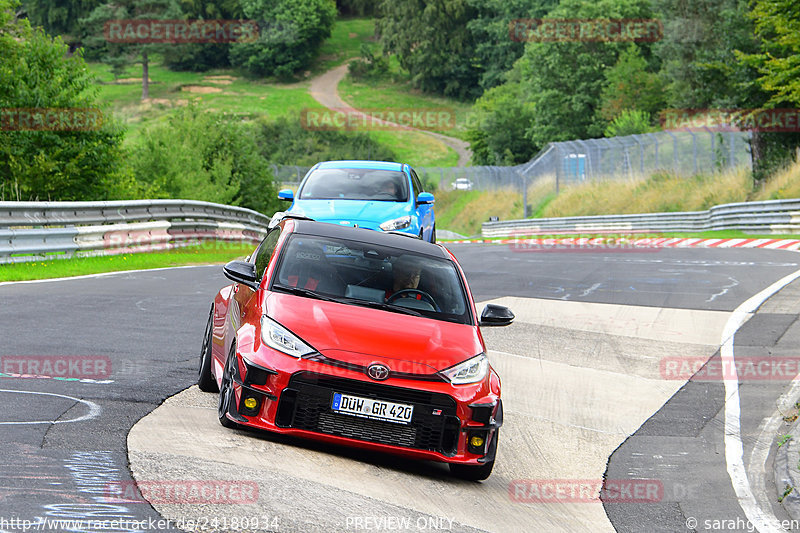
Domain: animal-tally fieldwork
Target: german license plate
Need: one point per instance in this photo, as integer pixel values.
(346, 404)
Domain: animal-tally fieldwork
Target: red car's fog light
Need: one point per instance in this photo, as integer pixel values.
(250, 404)
(477, 442)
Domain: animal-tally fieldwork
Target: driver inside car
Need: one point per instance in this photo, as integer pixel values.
(406, 271)
(390, 188)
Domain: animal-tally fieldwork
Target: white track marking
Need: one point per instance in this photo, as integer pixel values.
(94, 409)
(760, 452)
(763, 519)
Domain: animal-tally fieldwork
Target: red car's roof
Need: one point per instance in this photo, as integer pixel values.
(403, 242)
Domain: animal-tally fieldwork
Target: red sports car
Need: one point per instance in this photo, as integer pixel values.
(359, 338)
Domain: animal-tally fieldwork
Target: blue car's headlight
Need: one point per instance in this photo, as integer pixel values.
(397, 223)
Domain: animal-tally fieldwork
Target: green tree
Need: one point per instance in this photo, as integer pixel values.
(120, 55)
(457, 48)
(285, 142)
(777, 61)
(496, 46)
(630, 86)
(777, 25)
(51, 163)
(297, 29)
(200, 57)
(565, 80)
(698, 54)
(498, 126)
(206, 156)
(630, 122)
(357, 8)
(430, 40)
(60, 18)
(710, 59)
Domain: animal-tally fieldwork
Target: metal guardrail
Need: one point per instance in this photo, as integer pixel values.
(771, 216)
(36, 230)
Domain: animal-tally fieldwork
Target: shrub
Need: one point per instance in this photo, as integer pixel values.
(300, 27)
(204, 156)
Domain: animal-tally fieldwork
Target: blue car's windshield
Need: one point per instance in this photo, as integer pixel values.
(355, 184)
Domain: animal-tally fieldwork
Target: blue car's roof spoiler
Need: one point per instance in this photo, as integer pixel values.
(280, 215)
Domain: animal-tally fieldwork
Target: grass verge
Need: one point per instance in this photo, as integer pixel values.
(720, 234)
(660, 193)
(345, 42)
(206, 253)
(386, 94)
(656, 194)
(417, 149)
(464, 211)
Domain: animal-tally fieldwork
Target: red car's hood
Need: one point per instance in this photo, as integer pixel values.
(360, 335)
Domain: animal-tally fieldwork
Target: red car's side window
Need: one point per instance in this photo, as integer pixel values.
(265, 252)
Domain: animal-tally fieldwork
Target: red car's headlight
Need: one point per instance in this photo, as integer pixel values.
(470, 371)
(279, 338)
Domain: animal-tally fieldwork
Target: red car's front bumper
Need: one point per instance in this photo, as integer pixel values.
(450, 423)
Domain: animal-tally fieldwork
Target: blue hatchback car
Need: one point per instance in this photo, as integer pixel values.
(376, 195)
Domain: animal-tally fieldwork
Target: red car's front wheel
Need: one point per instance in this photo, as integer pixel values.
(205, 381)
(227, 396)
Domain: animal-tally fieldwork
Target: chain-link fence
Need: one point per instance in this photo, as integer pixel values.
(683, 153)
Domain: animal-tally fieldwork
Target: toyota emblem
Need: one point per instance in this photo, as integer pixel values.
(378, 372)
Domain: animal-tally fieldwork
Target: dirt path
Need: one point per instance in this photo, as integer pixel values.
(324, 89)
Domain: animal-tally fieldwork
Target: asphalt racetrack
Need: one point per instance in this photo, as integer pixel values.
(593, 387)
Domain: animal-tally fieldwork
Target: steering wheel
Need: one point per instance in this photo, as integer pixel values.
(406, 293)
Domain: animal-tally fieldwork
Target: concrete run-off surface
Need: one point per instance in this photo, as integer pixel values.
(578, 379)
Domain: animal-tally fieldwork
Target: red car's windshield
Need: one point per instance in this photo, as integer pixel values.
(377, 276)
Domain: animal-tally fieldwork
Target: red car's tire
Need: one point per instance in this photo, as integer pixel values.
(226, 394)
(205, 381)
(475, 473)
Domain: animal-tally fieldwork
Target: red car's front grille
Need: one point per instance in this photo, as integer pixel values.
(306, 404)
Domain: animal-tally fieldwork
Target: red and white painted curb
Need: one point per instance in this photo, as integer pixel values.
(650, 242)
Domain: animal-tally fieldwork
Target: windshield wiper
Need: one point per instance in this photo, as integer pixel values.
(385, 306)
(299, 291)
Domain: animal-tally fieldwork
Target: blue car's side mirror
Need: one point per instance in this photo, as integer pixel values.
(286, 194)
(425, 198)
